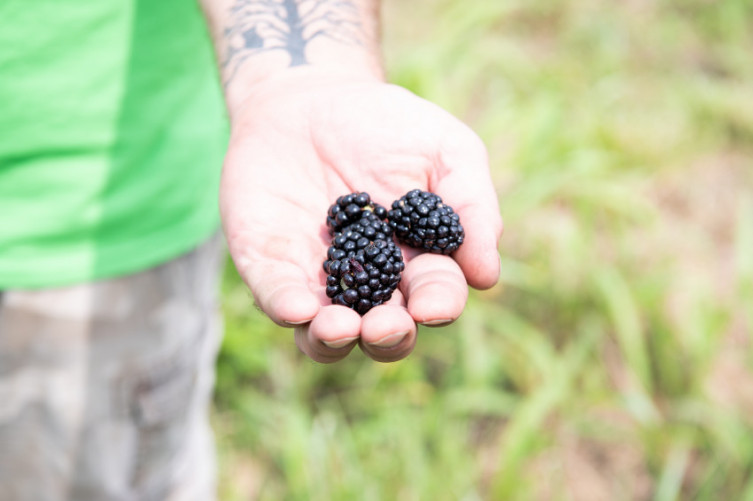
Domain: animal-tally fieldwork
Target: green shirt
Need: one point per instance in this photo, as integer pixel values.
(112, 133)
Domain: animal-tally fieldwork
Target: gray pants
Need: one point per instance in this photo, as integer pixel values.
(105, 387)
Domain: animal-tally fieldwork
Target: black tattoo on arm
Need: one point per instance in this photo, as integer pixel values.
(289, 26)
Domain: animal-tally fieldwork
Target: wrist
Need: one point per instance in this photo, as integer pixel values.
(293, 92)
(260, 82)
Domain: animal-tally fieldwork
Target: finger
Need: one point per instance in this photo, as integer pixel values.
(331, 335)
(436, 289)
(388, 333)
(281, 290)
(466, 185)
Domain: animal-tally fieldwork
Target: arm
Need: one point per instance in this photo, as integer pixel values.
(259, 39)
(312, 119)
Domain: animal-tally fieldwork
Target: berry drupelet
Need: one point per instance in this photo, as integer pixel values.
(420, 219)
(363, 265)
(350, 208)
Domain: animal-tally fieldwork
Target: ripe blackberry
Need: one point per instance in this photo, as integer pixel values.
(363, 272)
(350, 208)
(420, 219)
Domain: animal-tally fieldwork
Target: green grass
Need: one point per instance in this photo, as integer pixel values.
(613, 361)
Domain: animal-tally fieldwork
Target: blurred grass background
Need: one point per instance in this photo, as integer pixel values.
(613, 361)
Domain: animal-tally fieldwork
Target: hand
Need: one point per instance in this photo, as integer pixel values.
(302, 140)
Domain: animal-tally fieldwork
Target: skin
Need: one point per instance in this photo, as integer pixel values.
(303, 135)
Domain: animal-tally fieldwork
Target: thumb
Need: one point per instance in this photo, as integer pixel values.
(465, 184)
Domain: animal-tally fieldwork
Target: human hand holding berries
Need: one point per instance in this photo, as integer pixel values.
(304, 139)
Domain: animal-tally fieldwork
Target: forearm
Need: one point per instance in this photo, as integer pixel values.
(259, 39)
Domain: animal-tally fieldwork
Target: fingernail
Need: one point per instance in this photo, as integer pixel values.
(339, 343)
(301, 322)
(439, 321)
(391, 340)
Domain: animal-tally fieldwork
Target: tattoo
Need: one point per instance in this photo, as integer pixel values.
(289, 26)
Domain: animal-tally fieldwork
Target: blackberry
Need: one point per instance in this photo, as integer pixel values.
(363, 271)
(420, 219)
(349, 209)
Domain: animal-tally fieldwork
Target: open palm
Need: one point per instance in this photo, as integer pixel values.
(299, 144)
